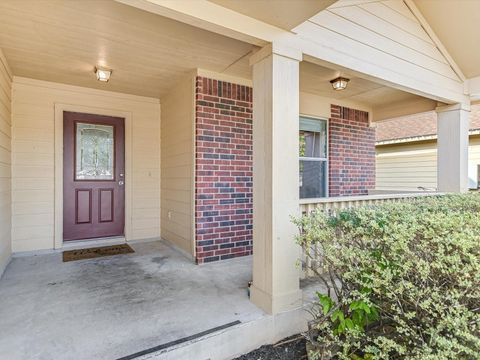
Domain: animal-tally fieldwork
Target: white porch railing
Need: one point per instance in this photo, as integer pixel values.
(312, 258)
(332, 204)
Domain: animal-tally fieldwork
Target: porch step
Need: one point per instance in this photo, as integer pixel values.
(170, 344)
(232, 341)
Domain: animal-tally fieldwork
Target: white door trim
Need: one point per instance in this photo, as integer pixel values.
(59, 109)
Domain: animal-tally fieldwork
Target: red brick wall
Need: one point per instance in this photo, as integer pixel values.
(351, 152)
(223, 170)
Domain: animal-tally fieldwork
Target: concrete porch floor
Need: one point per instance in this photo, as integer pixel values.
(115, 306)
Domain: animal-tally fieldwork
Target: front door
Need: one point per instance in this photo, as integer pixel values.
(93, 176)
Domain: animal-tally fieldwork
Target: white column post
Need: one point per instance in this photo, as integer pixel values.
(452, 148)
(276, 278)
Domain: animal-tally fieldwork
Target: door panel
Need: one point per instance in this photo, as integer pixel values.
(83, 206)
(106, 205)
(93, 179)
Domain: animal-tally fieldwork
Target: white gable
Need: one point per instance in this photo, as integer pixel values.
(386, 34)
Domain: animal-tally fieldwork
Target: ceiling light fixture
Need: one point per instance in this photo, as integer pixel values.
(103, 74)
(339, 83)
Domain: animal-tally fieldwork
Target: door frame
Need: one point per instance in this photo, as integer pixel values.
(58, 207)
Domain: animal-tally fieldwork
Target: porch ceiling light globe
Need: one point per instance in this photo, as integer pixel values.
(103, 74)
(339, 83)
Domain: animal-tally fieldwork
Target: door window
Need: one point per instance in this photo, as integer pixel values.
(94, 149)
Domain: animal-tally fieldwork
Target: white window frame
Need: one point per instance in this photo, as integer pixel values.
(325, 159)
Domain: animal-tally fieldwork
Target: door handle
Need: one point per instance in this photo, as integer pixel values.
(121, 182)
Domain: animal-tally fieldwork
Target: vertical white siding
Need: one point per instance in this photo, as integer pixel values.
(177, 165)
(33, 158)
(407, 166)
(5, 164)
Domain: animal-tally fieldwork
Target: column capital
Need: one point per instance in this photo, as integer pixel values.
(277, 49)
(452, 107)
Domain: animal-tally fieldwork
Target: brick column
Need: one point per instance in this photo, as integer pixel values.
(223, 170)
(351, 152)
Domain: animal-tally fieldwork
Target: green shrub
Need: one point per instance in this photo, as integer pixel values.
(402, 280)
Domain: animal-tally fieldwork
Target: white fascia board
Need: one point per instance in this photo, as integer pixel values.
(339, 55)
(210, 16)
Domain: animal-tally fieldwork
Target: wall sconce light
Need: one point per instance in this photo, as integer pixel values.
(339, 83)
(103, 74)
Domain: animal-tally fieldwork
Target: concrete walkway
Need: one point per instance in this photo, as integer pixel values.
(115, 306)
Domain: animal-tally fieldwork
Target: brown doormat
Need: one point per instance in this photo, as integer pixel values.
(91, 253)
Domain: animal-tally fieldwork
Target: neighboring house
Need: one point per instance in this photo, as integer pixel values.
(209, 124)
(406, 152)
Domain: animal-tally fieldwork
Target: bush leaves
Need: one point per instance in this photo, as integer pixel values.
(402, 279)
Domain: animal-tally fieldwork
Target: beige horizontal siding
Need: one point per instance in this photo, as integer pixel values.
(473, 161)
(408, 166)
(5, 163)
(386, 35)
(177, 166)
(33, 158)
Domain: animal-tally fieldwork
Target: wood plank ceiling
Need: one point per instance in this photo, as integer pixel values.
(62, 41)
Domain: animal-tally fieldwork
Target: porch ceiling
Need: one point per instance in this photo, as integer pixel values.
(315, 79)
(62, 41)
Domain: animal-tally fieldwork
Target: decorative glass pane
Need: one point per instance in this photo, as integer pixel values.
(312, 179)
(94, 152)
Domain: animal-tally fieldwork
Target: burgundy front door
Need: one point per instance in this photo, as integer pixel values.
(93, 176)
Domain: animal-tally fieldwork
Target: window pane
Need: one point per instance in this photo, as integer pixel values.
(313, 138)
(309, 124)
(311, 145)
(94, 152)
(312, 179)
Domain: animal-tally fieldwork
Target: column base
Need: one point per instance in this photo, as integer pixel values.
(274, 304)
